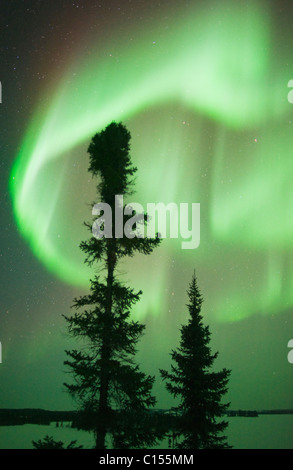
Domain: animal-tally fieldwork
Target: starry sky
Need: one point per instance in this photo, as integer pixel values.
(203, 88)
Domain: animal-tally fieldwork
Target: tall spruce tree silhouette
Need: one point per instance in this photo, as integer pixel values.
(110, 388)
(198, 389)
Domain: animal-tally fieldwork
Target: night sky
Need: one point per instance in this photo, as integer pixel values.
(203, 88)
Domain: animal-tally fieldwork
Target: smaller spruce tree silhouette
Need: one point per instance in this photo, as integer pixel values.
(198, 388)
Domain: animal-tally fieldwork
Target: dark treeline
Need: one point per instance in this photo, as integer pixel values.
(159, 418)
(14, 417)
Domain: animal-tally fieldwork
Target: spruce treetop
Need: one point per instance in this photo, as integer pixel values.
(110, 160)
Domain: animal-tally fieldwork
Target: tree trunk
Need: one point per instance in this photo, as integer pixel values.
(103, 415)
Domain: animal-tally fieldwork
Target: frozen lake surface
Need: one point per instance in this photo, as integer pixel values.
(263, 432)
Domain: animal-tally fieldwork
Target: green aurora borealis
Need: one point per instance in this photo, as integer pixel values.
(203, 90)
(199, 67)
